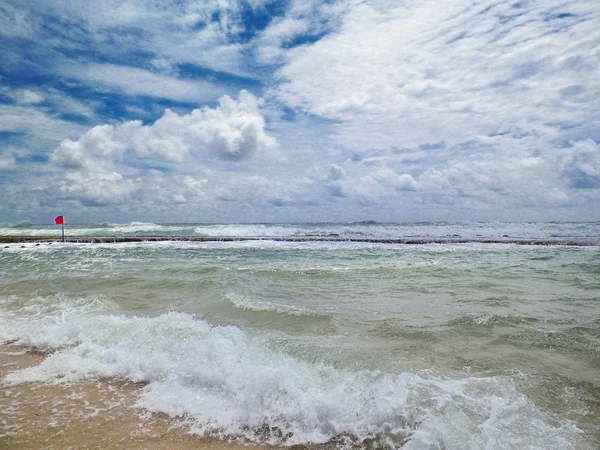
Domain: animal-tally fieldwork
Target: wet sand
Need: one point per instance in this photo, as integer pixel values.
(88, 415)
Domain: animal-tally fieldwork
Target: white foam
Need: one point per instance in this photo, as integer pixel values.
(140, 227)
(229, 383)
(39, 322)
(247, 230)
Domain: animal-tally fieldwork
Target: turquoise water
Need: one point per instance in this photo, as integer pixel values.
(450, 346)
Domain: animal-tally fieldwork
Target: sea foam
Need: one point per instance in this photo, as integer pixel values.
(229, 383)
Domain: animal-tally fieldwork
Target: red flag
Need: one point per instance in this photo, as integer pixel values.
(59, 220)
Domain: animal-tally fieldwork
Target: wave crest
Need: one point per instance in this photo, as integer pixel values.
(248, 304)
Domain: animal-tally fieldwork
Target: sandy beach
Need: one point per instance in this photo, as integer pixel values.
(88, 415)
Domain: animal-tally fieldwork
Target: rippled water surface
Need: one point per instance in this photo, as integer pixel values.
(409, 346)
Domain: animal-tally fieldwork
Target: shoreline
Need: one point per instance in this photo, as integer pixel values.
(93, 414)
(411, 240)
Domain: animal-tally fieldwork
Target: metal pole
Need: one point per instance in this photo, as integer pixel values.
(63, 228)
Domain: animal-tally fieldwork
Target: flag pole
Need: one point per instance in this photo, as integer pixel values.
(60, 220)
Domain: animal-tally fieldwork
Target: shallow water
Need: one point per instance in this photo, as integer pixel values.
(346, 344)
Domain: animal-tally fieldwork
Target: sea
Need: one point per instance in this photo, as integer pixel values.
(323, 335)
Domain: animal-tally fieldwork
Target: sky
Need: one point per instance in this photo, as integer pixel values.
(299, 110)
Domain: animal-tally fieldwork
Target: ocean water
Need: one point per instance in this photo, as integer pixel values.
(336, 343)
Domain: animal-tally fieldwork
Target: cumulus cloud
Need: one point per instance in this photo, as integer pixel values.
(108, 162)
(487, 181)
(153, 189)
(383, 184)
(334, 182)
(400, 182)
(483, 177)
(580, 165)
(99, 189)
(234, 130)
(367, 184)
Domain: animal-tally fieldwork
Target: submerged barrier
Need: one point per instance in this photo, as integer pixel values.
(414, 240)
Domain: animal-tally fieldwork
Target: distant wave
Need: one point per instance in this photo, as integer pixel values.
(248, 304)
(135, 227)
(365, 222)
(244, 230)
(492, 319)
(25, 225)
(549, 233)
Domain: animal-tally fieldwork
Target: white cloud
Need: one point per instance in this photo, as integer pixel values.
(66, 104)
(234, 130)
(269, 46)
(22, 97)
(38, 125)
(113, 157)
(198, 32)
(425, 71)
(54, 101)
(28, 97)
(443, 109)
(336, 173)
(581, 165)
(6, 162)
(134, 81)
(9, 156)
(334, 182)
(285, 29)
(99, 189)
(14, 21)
(489, 181)
(100, 147)
(303, 22)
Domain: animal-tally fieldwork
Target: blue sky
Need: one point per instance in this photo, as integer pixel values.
(222, 110)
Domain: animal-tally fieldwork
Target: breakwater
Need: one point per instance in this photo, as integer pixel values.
(411, 240)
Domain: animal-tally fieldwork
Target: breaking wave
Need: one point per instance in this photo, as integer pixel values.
(228, 383)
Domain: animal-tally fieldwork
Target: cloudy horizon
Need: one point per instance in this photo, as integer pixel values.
(300, 111)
